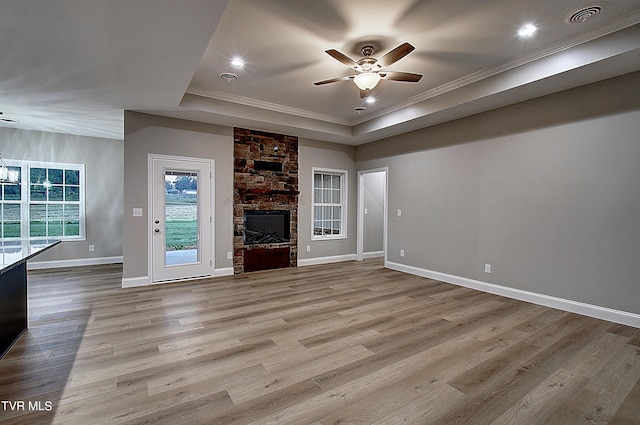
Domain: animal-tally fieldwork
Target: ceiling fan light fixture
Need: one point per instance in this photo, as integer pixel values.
(366, 80)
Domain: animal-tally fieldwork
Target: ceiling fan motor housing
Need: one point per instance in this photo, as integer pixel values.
(367, 50)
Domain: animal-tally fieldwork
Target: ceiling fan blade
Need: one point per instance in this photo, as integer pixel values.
(400, 76)
(341, 57)
(333, 80)
(395, 55)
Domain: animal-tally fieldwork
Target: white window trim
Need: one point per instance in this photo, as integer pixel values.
(344, 193)
(25, 201)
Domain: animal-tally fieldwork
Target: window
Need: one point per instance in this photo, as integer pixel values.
(46, 202)
(11, 208)
(329, 204)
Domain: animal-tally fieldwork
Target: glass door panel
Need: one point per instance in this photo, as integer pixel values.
(181, 218)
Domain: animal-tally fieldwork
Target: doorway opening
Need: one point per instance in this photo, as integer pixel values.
(372, 213)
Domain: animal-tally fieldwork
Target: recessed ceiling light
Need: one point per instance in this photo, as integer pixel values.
(527, 30)
(237, 62)
(359, 108)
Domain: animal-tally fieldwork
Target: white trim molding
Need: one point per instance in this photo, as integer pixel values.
(133, 282)
(344, 196)
(373, 254)
(598, 312)
(326, 260)
(39, 265)
(385, 225)
(225, 271)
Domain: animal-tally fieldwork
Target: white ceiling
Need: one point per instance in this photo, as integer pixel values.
(73, 66)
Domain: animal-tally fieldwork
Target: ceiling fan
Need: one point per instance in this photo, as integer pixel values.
(369, 69)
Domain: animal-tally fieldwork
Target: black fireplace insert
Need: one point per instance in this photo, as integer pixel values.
(263, 227)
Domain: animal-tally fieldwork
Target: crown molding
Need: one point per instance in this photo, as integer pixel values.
(247, 101)
(546, 51)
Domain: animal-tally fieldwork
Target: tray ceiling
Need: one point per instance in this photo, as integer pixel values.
(74, 67)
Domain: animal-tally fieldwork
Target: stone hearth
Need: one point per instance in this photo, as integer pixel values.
(265, 178)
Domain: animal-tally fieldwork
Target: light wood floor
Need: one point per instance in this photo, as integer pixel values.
(342, 343)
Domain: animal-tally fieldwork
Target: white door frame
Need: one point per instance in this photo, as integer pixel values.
(360, 236)
(150, 230)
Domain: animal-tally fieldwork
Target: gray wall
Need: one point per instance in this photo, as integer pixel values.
(146, 134)
(103, 159)
(314, 153)
(373, 220)
(547, 191)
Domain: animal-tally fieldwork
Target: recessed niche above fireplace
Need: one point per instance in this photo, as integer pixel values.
(267, 166)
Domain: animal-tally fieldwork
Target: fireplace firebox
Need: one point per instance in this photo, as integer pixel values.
(266, 227)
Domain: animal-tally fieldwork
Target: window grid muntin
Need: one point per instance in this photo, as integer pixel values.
(61, 206)
(328, 204)
(57, 202)
(11, 207)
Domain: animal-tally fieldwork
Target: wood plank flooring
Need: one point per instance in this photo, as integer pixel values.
(335, 344)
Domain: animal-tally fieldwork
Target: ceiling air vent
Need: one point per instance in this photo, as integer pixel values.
(583, 14)
(227, 76)
(359, 109)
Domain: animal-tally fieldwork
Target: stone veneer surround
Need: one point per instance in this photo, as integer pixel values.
(265, 178)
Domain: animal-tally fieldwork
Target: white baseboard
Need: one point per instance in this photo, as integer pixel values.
(598, 312)
(132, 282)
(38, 265)
(374, 254)
(226, 271)
(326, 260)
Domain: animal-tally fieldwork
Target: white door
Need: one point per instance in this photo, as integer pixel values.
(181, 233)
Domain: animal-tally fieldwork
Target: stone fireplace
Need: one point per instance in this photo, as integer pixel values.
(265, 205)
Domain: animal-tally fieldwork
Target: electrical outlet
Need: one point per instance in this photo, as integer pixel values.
(308, 248)
(402, 252)
(229, 255)
(92, 248)
(366, 211)
(487, 268)
(399, 212)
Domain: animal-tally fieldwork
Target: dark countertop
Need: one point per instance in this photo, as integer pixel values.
(16, 252)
